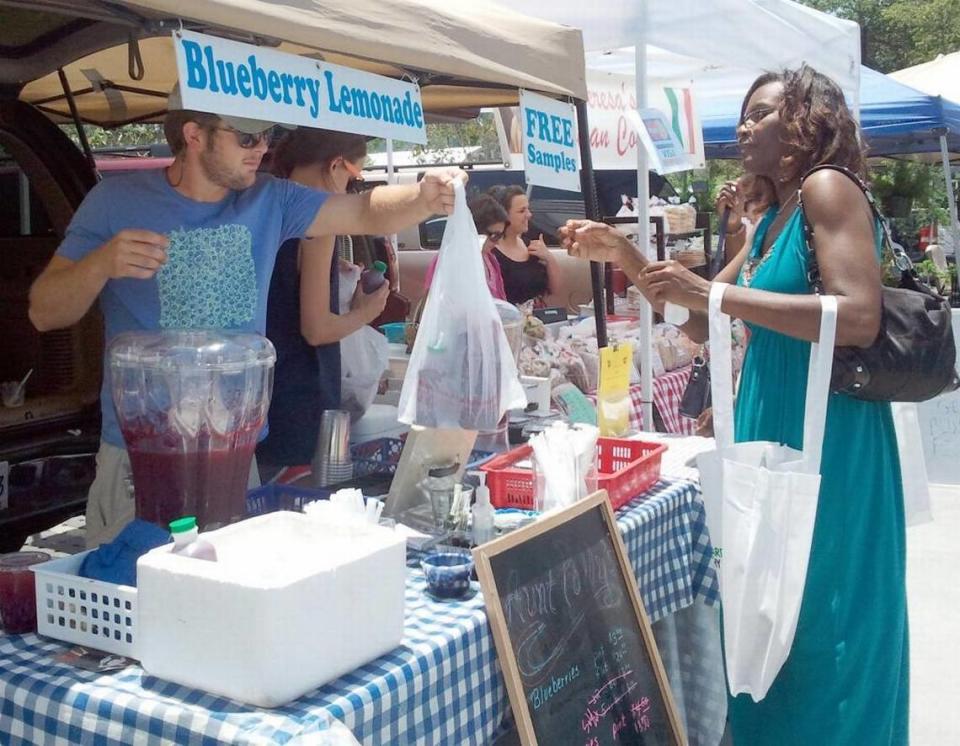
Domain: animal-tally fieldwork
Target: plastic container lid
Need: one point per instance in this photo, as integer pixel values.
(21, 561)
(379, 266)
(185, 350)
(182, 525)
(444, 470)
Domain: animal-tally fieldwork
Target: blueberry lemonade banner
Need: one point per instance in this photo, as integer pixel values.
(551, 153)
(242, 80)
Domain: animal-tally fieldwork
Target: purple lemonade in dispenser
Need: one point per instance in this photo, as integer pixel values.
(191, 406)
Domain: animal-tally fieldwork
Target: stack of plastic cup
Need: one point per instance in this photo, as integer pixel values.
(331, 461)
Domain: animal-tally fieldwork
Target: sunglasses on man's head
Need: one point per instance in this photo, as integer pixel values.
(248, 140)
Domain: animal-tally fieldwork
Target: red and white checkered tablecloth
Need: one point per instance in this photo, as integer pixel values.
(667, 392)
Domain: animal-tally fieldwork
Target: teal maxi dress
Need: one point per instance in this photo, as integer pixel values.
(846, 680)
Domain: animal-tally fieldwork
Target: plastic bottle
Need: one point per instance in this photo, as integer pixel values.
(373, 277)
(186, 540)
(483, 527)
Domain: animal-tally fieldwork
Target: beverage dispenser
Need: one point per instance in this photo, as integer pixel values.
(191, 406)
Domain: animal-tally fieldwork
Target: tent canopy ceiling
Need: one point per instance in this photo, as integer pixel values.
(706, 38)
(463, 56)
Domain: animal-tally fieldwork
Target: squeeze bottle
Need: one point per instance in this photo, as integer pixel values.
(483, 527)
(187, 541)
(373, 277)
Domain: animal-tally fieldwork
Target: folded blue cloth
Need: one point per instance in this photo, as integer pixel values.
(116, 562)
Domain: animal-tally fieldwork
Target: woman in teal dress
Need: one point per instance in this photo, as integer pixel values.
(846, 680)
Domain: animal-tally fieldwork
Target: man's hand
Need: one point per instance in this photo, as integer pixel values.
(597, 242)
(133, 253)
(539, 249)
(370, 305)
(436, 189)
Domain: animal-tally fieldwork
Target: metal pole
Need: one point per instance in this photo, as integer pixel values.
(952, 205)
(391, 178)
(592, 208)
(81, 133)
(643, 220)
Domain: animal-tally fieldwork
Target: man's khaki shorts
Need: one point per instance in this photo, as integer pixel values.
(110, 504)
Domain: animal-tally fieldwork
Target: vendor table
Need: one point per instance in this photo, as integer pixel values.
(441, 686)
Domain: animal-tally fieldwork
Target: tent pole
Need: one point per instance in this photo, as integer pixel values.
(592, 206)
(643, 225)
(952, 205)
(391, 179)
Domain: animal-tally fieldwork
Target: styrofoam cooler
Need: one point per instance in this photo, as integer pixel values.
(290, 605)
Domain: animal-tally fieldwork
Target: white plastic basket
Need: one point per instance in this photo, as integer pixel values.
(83, 611)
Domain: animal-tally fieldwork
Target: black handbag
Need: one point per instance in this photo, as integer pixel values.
(696, 396)
(914, 354)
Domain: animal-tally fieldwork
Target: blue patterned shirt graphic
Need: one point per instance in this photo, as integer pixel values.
(219, 260)
(209, 280)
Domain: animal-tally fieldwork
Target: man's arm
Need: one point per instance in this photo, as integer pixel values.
(66, 289)
(387, 209)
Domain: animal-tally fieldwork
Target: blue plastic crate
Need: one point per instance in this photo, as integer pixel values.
(272, 497)
(381, 456)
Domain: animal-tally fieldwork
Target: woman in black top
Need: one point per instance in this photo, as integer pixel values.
(303, 319)
(528, 271)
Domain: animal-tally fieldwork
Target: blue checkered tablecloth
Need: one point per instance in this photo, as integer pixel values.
(442, 685)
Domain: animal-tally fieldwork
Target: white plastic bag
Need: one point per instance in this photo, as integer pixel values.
(761, 506)
(913, 464)
(462, 373)
(364, 356)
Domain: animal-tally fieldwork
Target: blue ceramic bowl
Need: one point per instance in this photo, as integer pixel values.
(448, 573)
(394, 331)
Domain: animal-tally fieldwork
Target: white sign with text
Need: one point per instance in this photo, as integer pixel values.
(614, 140)
(664, 150)
(551, 153)
(242, 80)
(940, 428)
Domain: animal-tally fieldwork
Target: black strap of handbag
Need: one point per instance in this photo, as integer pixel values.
(912, 358)
(898, 257)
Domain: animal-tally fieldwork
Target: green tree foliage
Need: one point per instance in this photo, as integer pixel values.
(899, 33)
(444, 137)
(129, 136)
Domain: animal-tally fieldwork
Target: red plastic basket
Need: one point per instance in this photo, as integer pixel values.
(627, 468)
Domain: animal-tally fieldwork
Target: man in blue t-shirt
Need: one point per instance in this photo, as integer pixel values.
(193, 245)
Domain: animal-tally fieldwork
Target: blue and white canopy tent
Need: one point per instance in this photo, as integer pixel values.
(897, 120)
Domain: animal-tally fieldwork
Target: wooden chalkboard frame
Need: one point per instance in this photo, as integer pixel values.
(501, 636)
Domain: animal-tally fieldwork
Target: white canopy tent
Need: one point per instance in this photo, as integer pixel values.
(938, 77)
(683, 40)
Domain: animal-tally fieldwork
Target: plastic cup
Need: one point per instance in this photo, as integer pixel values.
(18, 594)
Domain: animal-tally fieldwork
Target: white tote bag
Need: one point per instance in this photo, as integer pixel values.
(761, 505)
(913, 464)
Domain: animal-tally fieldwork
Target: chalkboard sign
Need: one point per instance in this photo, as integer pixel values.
(577, 653)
